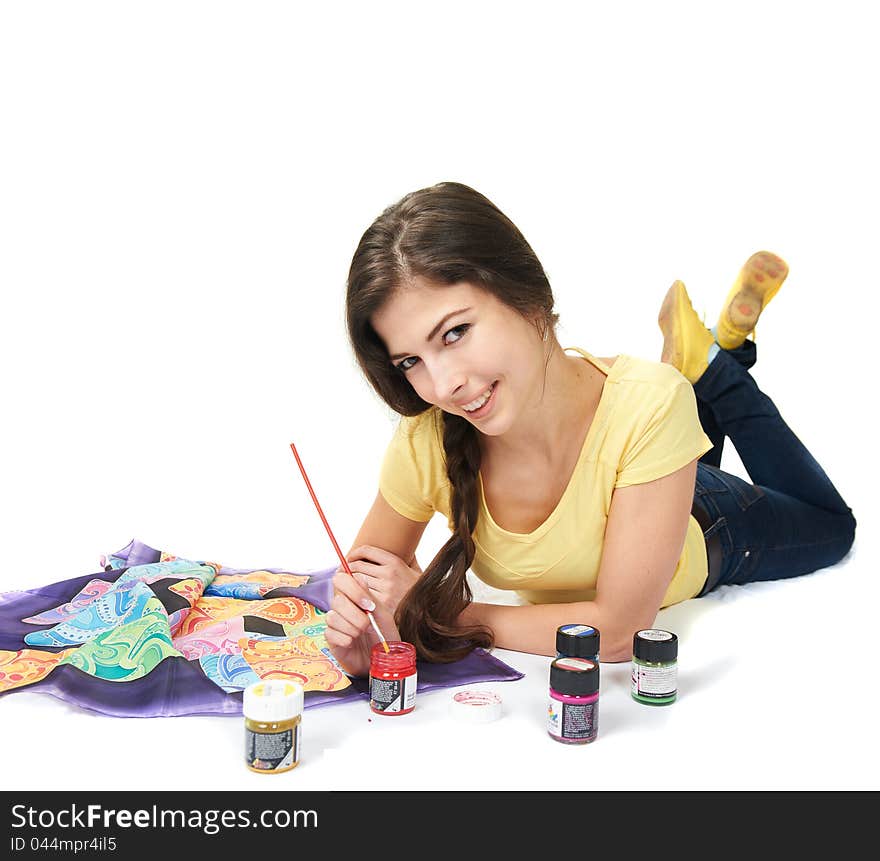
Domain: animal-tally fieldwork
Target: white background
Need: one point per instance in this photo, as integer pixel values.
(182, 186)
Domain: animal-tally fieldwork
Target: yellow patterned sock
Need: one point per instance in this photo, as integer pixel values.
(758, 282)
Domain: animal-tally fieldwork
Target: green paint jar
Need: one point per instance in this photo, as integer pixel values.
(655, 667)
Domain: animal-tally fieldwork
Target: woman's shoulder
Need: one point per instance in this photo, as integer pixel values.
(637, 371)
(421, 436)
(626, 368)
(427, 425)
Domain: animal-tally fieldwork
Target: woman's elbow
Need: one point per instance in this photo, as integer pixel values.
(617, 634)
(616, 653)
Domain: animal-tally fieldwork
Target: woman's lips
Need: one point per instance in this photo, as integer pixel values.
(486, 408)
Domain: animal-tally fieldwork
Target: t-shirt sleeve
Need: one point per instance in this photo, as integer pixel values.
(409, 477)
(669, 437)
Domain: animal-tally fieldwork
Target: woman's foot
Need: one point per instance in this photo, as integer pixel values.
(686, 341)
(758, 282)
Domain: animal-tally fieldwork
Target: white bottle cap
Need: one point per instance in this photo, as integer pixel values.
(273, 700)
(475, 706)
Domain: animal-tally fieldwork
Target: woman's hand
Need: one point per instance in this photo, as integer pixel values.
(387, 577)
(349, 633)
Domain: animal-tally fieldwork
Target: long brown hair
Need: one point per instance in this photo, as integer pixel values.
(445, 234)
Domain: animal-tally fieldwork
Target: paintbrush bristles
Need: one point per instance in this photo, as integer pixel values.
(376, 629)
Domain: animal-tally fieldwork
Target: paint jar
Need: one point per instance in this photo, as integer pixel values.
(573, 713)
(272, 718)
(577, 641)
(393, 678)
(655, 667)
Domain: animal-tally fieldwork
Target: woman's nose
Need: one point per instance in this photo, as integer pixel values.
(449, 378)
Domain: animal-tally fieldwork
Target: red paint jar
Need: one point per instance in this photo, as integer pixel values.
(393, 678)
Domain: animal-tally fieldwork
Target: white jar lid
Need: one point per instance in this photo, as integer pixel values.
(475, 706)
(273, 700)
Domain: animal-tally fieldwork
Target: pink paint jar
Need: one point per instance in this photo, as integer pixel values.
(573, 713)
(393, 678)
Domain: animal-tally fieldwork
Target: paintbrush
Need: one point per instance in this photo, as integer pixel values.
(342, 558)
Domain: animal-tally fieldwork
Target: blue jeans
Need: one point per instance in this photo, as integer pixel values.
(791, 520)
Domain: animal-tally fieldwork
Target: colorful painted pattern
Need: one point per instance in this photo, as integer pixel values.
(120, 630)
(258, 584)
(27, 666)
(153, 634)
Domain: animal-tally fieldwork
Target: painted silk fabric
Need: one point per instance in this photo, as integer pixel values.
(156, 635)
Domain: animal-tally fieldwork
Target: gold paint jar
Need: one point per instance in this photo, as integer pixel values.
(272, 718)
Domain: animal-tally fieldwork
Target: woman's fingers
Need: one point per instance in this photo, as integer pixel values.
(338, 624)
(384, 578)
(368, 581)
(371, 575)
(348, 610)
(376, 575)
(337, 638)
(354, 589)
(369, 553)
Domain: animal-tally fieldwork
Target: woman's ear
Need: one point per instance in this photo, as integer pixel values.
(542, 325)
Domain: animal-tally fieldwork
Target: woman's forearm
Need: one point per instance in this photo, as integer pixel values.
(532, 628)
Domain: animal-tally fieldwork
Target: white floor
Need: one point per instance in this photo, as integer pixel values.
(177, 235)
(775, 692)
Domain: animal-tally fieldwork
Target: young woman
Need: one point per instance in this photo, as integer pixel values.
(589, 485)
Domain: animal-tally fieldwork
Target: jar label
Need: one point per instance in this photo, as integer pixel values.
(659, 681)
(578, 664)
(573, 720)
(271, 751)
(393, 695)
(655, 634)
(578, 630)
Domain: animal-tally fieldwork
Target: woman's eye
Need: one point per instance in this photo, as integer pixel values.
(450, 337)
(455, 333)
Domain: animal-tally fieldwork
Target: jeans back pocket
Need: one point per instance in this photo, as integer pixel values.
(711, 480)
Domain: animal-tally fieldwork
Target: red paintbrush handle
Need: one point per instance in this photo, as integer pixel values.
(302, 469)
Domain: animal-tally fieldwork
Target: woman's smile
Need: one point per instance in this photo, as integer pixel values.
(481, 406)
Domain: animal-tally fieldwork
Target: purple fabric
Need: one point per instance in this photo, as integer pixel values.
(138, 553)
(15, 606)
(179, 687)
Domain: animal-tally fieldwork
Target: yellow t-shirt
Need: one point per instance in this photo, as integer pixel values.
(645, 427)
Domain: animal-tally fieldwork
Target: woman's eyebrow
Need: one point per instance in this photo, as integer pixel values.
(433, 331)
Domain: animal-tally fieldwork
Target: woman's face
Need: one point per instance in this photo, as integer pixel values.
(464, 351)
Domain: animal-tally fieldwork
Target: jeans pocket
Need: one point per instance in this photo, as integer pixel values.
(743, 492)
(743, 567)
(717, 526)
